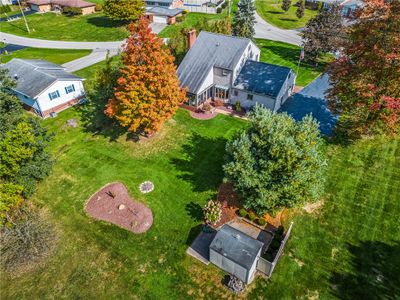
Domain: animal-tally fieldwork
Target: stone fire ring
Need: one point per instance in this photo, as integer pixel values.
(113, 204)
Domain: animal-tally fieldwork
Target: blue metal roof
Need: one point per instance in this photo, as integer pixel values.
(262, 78)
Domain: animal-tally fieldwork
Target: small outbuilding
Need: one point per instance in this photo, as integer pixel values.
(236, 253)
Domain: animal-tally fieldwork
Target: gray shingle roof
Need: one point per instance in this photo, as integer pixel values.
(35, 75)
(209, 50)
(236, 246)
(162, 11)
(261, 78)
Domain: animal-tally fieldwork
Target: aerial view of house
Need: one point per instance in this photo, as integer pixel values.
(197, 149)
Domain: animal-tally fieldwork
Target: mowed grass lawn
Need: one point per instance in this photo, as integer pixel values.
(346, 249)
(287, 55)
(271, 11)
(50, 26)
(57, 56)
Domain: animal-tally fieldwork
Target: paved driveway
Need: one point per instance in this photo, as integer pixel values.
(311, 100)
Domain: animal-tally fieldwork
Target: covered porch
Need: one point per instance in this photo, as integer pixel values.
(212, 93)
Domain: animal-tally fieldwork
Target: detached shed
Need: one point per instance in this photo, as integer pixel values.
(235, 252)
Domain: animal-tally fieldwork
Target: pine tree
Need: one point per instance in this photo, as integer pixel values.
(148, 92)
(365, 79)
(286, 5)
(323, 33)
(276, 162)
(244, 19)
(300, 9)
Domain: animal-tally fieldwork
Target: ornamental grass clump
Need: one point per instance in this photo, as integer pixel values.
(212, 212)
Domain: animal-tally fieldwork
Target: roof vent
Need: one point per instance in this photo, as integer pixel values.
(217, 44)
(16, 76)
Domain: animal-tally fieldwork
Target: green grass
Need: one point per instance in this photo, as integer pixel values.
(50, 26)
(57, 56)
(287, 55)
(271, 11)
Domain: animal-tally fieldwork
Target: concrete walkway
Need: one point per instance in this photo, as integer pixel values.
(267, 31)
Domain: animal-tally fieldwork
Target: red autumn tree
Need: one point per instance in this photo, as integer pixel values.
(148, 92)
(366, 78)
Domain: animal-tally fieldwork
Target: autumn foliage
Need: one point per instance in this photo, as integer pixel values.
(147, 93)
(366, 78)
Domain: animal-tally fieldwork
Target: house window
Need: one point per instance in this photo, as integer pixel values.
(70, 89)
(54, 95)
(235, 92)
(150, 3)
(163, 4)
(249, 97)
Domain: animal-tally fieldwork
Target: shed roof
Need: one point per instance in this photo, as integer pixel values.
(236, 246)
(33, 76)
(210, 50)
(262, 78)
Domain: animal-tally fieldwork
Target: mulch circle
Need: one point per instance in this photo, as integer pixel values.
(203, 116)
(113, 204)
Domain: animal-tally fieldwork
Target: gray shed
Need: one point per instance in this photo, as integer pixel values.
(235, 252)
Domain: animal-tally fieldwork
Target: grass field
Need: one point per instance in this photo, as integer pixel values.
(287, 55)
(50, 26)
(57, 56)
(271, 11)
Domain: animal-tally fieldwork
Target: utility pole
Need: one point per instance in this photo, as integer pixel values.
(23, 15)
(229, 8)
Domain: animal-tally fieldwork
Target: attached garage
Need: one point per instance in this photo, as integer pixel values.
(160, 19)
(163, 15)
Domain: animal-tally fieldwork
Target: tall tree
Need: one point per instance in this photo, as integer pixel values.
(24, 159)
(277, 162)
(323, 33)
(286, 5)
(300, 9)
(148, 92)
(365, 79)
(244, 19)
(124, 10)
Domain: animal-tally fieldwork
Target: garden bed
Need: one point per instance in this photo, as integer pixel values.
(113, 204)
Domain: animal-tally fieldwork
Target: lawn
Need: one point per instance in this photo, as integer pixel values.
(271, 11)
(57, 56)
(348, 249)
(50, 26)
(287, 55)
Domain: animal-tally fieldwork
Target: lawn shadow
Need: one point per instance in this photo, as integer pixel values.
(273, 12)
(195, 211)
(287, 20)
(104, 22)
(374, 274)
(201, 162)
(193, 233)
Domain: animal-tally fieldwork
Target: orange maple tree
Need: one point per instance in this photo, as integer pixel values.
(366, 78)
(147, 93)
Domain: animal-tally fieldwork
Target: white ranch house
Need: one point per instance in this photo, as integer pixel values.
(43, 87)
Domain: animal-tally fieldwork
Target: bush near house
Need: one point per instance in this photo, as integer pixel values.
(72, 11)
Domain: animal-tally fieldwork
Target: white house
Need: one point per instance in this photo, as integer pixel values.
(163, 11)
(236, 253)
(227, 68)
(43, 87)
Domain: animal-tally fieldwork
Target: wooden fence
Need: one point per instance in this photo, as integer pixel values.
(266, 267)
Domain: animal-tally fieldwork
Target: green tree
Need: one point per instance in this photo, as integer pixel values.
(24, 159)
(244, 19)
(277, 162)
(323, 33)
(300, 9)
(123, 10)
(286, 5)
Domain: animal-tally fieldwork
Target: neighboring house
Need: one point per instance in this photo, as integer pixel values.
(6, 2)
(348, 6)
(236, 253)
(43, 87)
(58, 5)
(226, 68)
(163, 11)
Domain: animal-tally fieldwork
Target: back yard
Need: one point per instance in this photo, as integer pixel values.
(347, 248)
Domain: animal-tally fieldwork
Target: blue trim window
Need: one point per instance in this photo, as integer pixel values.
(70, 89)
(54, 95)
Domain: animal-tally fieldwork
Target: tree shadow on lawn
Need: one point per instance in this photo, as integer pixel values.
(195, 211)
(374, 274)
(104, 22)
(201, 162)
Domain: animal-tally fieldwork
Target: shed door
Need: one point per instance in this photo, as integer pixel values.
(160, 19)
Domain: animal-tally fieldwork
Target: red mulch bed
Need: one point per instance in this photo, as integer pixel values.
(135, 216)
(230, 203)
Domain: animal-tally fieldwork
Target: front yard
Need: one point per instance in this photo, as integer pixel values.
(271, 11)
(57, 56)
(50, 26)
(340, 249)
